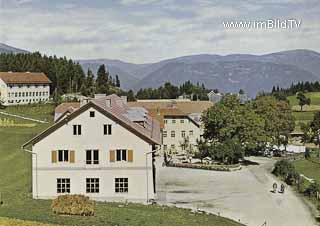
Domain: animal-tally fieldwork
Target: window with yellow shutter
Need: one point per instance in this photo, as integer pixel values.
(112, 155)
(53, 156)
(72, 156)
(130, 155)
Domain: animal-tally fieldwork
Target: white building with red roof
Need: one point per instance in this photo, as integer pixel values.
(24, 87)
(103, 149)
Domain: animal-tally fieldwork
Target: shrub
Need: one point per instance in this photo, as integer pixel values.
(73, 205)
(283, 168)
(307, 154)
(312, 189)
(292, 178)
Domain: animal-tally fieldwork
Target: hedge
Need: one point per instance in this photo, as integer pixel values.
(206, 167)
(73, 205)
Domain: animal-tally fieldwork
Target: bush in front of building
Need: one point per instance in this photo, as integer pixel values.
(73, 205)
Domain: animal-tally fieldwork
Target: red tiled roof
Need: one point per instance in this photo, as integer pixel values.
(24, 78)
(66, 106)
(149, 131)
(187, 107)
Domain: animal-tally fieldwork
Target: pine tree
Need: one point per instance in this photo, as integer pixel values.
(102, 80)
(117, 81)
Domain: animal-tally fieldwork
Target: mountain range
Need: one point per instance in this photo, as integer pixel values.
(252, 73)
(228, 73)
(9, 49)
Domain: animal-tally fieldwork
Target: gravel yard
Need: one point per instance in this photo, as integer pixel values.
(243, 195)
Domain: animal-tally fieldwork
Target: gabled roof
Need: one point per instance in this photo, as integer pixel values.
(161, 109)
(187, 107)
(24, 78)
(150, 132)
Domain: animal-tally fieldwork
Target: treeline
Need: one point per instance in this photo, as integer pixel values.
(65, 74)
(295, 88)
(103, 83)
(68, 76)
(169, 91)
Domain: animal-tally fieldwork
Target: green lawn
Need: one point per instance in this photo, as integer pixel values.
(4, 221)
(15, 189)
(309, 168)
(314, 96)
(306, 115)
(37, 111)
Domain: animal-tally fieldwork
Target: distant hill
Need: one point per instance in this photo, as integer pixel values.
(9, 49)
(229, 73)
(228, 76)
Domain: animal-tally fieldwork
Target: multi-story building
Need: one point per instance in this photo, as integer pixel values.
(179, 120)
(24, 87)
(103, 149)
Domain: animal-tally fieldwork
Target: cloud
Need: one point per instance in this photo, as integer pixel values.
(149, 30)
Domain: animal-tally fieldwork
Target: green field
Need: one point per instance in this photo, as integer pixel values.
(4, 221)
(306, 115)
(15, 188)
(309, 167)
(314, 96)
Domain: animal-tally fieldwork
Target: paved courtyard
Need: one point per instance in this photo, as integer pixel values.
(243, 195)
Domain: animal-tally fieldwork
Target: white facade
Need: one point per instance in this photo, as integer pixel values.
(15, 94)
(139, 172)
(176, 129)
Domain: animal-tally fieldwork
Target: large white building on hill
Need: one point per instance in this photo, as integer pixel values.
(24, 88)
(103, 149)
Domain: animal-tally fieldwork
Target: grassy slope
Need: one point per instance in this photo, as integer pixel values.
(314, 96)
(310, 167)
(306, 115)
(15, 188)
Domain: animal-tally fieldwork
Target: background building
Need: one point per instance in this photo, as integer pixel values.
(179, 120)
(24, 87)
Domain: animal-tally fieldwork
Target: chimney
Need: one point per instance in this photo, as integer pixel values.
(108, 103)
(99, 95)
(125, 99)
(84, 101)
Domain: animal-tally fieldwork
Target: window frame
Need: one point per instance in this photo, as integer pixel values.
(165, 133)
(65, 186)
(107, 129)
(93, 153)
(121, 155)
(93, 185)
(173, 134)
(121, 185)
(77, 130)
(64, 154)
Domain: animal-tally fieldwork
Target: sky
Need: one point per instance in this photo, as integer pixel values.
(144, 31)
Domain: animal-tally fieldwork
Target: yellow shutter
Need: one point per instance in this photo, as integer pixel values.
(112, 155)
(72, 156)
(130, 155)
(53, 156)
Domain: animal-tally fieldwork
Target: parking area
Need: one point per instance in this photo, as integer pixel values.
(243, 195)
